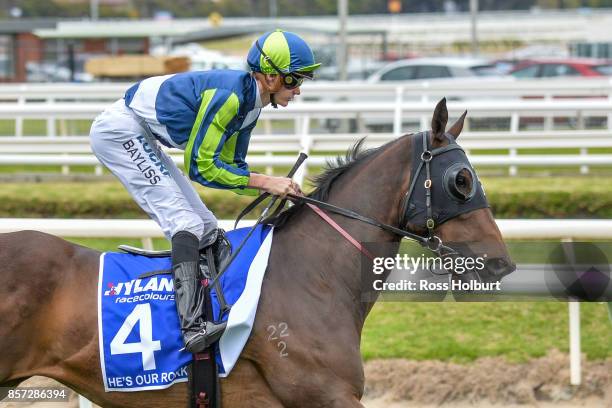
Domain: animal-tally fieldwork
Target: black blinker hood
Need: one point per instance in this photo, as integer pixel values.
(445, 163)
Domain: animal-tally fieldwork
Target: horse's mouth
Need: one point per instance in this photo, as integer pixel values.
(500, 267)
(494, 271)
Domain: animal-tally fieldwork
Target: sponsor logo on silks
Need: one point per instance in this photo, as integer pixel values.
(135, 291)
(111, 290)
(152, 156)
(140, 159)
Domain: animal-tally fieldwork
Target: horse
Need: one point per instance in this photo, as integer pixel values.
(304, 349)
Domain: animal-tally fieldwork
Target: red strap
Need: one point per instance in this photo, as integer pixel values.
(341, 230)
(202, 400)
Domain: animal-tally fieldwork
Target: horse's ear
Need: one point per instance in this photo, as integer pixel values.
(438, 122)
(457, 127)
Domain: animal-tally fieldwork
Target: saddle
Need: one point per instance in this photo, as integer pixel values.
(146, 252)
(204, 385)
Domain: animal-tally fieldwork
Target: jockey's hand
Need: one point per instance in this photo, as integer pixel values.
(280, 186)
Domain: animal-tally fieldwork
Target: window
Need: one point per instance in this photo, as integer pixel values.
(528, 72)
(131, 46)
(555, 70)
(603, 50)
(484, 70)
(7, 60)
(399, 74)
(604, 69)
(432, 71)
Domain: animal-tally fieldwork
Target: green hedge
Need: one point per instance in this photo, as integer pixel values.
(550, 197)
(558, 204)
(94, 200)
(580, 197)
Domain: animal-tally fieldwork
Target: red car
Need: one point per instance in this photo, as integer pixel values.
(562, 67)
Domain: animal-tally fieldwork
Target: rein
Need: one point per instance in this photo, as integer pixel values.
(430, 241)
(341, 230)
(433, 243)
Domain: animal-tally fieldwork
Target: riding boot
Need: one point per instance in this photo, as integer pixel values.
(189, 294)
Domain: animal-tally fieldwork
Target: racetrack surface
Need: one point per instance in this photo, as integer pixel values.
(487, 382)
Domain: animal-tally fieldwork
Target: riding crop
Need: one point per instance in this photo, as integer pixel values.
(296, 166)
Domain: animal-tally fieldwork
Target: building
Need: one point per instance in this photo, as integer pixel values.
(27, 45)
(20, 46)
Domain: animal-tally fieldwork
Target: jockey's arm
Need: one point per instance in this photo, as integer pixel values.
(210, 161)
(208, 158)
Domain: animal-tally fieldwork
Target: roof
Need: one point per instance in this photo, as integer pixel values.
(25, 25)
(122, 28)
(186, 30)
(577, 61)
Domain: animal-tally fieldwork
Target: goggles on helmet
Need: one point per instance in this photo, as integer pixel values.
(290, 80)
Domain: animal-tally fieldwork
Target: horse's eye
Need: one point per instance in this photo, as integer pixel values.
(461, 181)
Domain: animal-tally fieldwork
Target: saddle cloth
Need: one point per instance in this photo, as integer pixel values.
(141, 346)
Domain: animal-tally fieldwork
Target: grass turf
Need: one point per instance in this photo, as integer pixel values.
(463, 332)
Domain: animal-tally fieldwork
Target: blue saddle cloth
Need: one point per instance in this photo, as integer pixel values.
(140, 339)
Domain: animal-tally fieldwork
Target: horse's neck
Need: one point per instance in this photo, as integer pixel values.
(374, 190)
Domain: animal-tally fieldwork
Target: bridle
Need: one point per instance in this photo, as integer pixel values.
(430, 241)
(434, 243)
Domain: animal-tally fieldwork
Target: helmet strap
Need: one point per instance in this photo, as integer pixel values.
(273, 102)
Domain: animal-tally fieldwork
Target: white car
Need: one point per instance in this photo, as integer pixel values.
(433, 68)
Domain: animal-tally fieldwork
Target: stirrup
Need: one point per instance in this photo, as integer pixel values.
(209, 334)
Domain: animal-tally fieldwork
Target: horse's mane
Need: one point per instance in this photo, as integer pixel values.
(333, 169)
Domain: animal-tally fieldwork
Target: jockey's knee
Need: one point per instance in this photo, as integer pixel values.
(205, 232)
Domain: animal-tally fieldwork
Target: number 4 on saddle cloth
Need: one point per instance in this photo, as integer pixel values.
(141, 346)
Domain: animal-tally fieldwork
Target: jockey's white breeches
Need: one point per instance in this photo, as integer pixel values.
(125, 145)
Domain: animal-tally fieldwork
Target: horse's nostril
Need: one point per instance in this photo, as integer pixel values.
(500, 266)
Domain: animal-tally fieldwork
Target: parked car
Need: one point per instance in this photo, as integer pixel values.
(55, 72)
(425, 69)
(550, 68)
(433, 68)
(356, 70)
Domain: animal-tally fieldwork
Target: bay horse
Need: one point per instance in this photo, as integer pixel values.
(311, 294)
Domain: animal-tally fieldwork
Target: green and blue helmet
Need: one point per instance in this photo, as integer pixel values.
(287, 51)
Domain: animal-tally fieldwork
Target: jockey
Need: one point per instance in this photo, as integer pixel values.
(209, 115)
